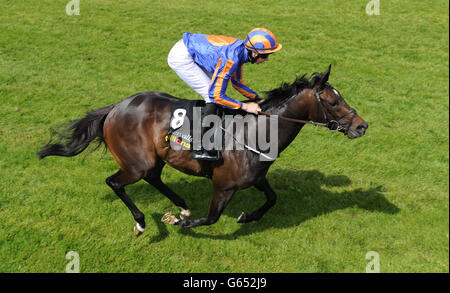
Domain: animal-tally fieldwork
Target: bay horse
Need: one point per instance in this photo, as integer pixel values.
(134, 131)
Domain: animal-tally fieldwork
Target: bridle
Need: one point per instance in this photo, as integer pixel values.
(334, 124)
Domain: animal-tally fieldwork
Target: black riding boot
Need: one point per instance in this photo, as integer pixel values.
(202, 154)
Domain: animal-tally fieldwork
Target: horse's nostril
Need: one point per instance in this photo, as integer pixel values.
(362, 126)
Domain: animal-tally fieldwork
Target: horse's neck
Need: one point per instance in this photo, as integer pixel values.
(288, 131)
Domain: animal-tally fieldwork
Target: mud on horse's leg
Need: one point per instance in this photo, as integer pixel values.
(117, 182)
(218, 203)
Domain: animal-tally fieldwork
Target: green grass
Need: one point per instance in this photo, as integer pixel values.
(338, 199)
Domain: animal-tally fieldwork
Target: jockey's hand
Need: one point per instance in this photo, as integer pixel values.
(251, 108)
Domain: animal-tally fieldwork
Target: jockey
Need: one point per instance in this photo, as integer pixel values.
(208, 62)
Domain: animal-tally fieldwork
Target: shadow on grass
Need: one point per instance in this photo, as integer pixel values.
(301, 197)
(162, 229)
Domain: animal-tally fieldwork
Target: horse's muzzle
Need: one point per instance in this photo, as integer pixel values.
(357, 130)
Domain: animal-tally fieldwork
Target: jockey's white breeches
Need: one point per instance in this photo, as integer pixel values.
(190, 72)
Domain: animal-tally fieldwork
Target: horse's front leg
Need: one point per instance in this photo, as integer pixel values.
(271, 197)
(218, 203)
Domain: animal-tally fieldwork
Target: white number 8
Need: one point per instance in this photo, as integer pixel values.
(178, 118)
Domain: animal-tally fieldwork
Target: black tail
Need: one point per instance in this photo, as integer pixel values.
(76, 137)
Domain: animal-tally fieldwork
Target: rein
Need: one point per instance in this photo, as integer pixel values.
(295, 120)
(333, 124)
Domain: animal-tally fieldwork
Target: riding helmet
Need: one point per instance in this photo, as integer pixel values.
(262, 41)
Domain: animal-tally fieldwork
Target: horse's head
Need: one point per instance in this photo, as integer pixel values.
(331, 108)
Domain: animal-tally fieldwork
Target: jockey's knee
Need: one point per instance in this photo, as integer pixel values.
(170, 61)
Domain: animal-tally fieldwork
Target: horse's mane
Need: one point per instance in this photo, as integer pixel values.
(281, 95)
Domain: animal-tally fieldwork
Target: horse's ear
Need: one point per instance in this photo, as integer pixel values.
(324, 78)
(326, 75)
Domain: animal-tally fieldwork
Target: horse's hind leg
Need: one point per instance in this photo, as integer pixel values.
(118, 182)
(154, 178)
(271, 197)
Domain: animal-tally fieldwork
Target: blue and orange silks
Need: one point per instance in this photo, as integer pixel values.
(224, 58)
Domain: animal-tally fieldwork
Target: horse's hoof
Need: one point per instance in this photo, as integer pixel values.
(242, 218)
(169, 218)
(138, 230)
(185, 214)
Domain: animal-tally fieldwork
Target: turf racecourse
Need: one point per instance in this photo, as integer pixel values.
(338, 199)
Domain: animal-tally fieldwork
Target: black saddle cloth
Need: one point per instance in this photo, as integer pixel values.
(181, 123)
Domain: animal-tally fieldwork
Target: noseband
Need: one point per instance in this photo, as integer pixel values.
(333, 124)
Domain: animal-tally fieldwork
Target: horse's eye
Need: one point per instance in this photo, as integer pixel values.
(333, 104)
